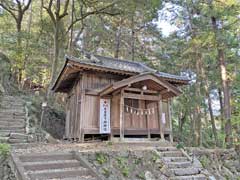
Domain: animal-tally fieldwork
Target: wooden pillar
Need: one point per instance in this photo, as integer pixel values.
(121, 116)
(170, 118)
(81, 126)
(160, 111)
(148, 125)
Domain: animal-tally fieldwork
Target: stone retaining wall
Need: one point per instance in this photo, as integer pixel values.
(5, 170)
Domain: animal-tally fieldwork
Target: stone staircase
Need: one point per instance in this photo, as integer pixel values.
(180, 166)
(52, 166)
(12, 120)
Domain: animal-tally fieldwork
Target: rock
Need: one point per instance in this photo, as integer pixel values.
(149, 176)
(50, 139)
(18, 136)
(2, 90)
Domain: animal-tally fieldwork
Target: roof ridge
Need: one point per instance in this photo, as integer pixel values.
(116, 59)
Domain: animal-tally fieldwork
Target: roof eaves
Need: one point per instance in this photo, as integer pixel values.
(60, 73)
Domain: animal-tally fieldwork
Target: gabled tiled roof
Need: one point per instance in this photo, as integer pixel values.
(123, 65)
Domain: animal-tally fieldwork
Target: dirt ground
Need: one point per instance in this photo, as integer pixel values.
(91, 146)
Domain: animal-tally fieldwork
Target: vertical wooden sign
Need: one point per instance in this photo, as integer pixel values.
(105, 116)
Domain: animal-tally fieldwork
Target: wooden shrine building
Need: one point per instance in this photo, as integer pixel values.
(119, 98)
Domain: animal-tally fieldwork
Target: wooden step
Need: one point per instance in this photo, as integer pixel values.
(46, 157)
(171, 154)
(59, 173)
(36, 166)
(186, 171)
(195, 177)
(175, 159)
(179, 164)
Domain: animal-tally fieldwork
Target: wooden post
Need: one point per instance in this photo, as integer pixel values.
(160, 110)
(82, 115)
(121, 116)
(170, 118)
(148, 128)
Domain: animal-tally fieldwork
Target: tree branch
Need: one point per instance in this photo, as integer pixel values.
(98, 11)
(65, 13)
(27, 6)
(49, 11)
(8, 10)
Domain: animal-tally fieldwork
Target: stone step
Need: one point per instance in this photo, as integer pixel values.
(12, 99)
(11, 117)
(186, 171)
(12, 128)
(12, 124)
(6, 132)
(46, 157)
(14, 141)
(79, 178)
(171, 154)
(179, 164)
(167, 149)
(175, 159)
(9, 107)
(18, 136)
(16, 109)
(15, 113)
(59, 173)
(195, 177)
(4, 139)
(36, 166)
(7, 119)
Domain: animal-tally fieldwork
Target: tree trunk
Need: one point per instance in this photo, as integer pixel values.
(132, 39)
(198, 117)
(206, 88)
(221, 108)
(225, 85)
(226, 99)
(70, 42)
(55, 54)
(19, 49)
(214, 129)
(117, 42)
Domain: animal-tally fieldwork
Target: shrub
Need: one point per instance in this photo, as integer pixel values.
(4, 150)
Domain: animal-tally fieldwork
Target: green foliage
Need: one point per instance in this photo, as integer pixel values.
(101, 158)
(137, 161)
(123, 166)
(4, 150)
(109, 143)
(106, 172)
(180, 146)
(141, 175)
(154, 157)
(205, 161)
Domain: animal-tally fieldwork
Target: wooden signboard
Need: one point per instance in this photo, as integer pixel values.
(105, 116)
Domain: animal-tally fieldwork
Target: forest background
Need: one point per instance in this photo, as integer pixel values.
(196, 38)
